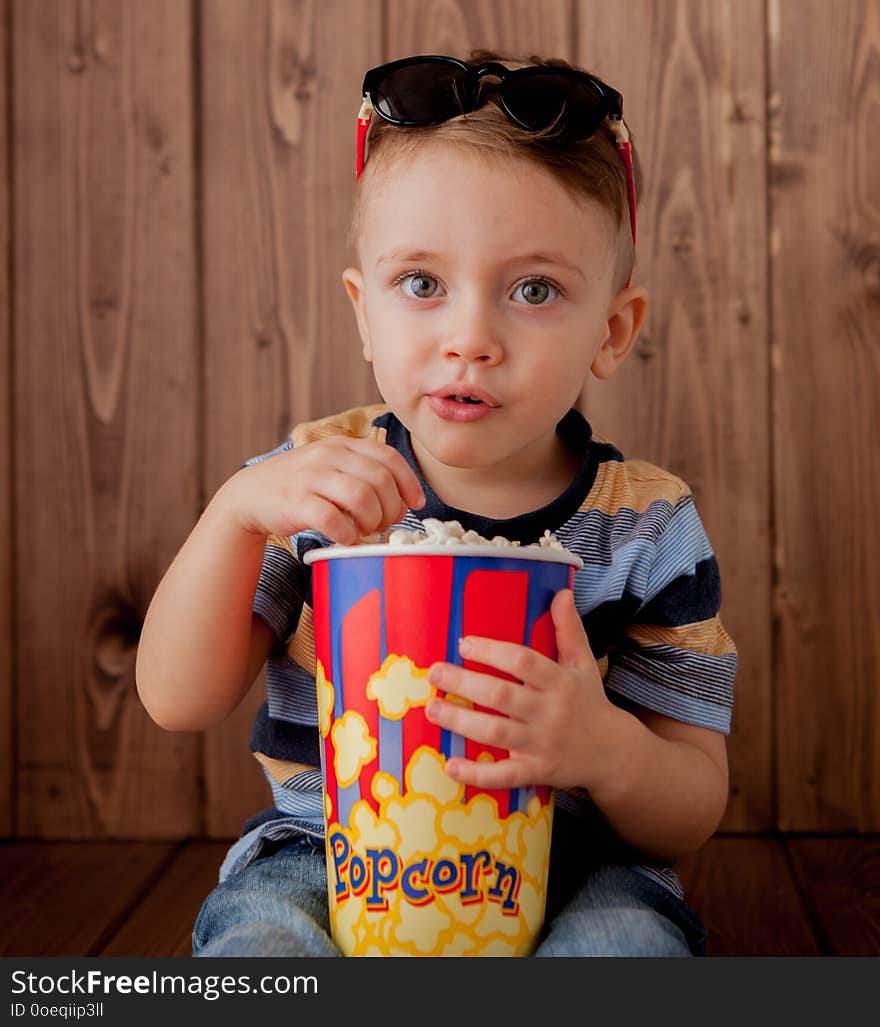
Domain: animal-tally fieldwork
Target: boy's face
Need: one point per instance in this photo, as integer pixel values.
(480, 308)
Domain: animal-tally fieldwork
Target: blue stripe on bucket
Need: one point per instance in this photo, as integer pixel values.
(391, 747)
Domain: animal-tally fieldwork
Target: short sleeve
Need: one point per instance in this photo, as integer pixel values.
(674, 655)
(281, 589)
(283, 583)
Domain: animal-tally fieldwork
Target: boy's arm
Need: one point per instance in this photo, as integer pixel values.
(670, 788)
(201, 647)
(659, 779)
(262, 641)
(660, 783)
(672, 672)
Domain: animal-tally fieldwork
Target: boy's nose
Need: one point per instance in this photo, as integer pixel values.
(479, 350)
(473, 337)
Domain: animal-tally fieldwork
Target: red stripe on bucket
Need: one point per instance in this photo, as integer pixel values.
(422, 583)
(494, 606)
(361, 657)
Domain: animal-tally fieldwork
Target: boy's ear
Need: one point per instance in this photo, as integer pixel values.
(353, 281)
(625, 317)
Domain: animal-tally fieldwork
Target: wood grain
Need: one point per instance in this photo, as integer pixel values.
(692, 397)
(745, 895)
(163, 921)
(62, 899)
(105, 437)
(280, 96)
(7, 581)
(841, 877)
(825, 256)
(456, 26)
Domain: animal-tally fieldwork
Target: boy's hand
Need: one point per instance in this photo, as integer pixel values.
(345, 488)
(558, 725)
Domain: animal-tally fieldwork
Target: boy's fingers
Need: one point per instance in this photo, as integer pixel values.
(571, 639)
(336, 523)
(488, 690)
(372, 474)
(484, 774)
(336, 486)
(484, 728)
(407, 483)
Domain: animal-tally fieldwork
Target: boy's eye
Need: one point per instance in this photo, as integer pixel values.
(535, 291)
(425, 286)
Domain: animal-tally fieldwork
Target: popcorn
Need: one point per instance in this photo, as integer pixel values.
(451, 533)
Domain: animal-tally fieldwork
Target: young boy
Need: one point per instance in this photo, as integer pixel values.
(494, 225)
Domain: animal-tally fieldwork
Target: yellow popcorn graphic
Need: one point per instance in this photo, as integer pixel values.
(399, 686)
(432, 874)
(325, 700)
(353, 746)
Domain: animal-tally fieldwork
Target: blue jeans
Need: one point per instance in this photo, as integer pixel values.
(277, 906)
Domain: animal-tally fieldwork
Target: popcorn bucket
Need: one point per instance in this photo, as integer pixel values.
(419, 864)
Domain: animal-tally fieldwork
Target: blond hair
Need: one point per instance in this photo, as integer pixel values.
(589, 169)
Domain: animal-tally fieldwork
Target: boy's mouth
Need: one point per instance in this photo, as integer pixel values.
(457, 407)
(466, 394)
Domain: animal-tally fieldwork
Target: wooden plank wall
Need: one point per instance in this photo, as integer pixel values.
(176, 183)
(7, 742)
(694, 395)
(825, 258)
(107, 409)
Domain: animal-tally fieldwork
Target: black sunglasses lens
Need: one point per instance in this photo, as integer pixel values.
(571, 105)
(423, 93)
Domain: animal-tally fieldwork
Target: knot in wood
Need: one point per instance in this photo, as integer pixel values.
(115, 637)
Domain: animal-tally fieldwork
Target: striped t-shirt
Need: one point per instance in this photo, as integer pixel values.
(648, 595)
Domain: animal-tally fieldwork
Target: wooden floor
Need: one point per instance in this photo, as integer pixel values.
(758, 896)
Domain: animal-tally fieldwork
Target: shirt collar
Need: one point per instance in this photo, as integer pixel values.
(527, 527)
